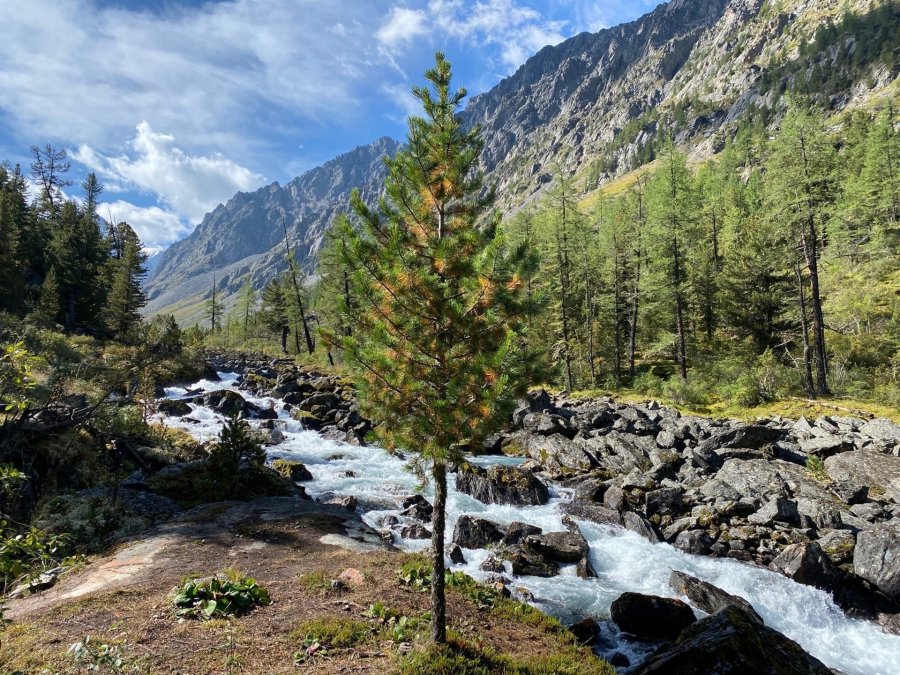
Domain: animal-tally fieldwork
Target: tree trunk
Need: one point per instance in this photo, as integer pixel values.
(679, 312)
(636, 294)
(310, 345)
(438, 601)
(807, 364)
(284, 337)
(811, 253)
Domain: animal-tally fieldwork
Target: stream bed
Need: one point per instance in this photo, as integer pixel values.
(622, 560)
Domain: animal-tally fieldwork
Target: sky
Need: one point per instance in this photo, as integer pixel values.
(179, 104)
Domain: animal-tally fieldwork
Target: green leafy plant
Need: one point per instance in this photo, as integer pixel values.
(229, 594)
(29, 553)
(95, 657)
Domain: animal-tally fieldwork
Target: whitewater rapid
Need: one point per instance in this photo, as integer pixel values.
(622, 560)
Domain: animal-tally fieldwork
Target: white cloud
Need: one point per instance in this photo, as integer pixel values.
(85, 73)
(403, 99)
(401, 27)
(191, 185)
(155, 226)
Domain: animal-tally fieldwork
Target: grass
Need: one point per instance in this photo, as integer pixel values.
(335, 632)
(791, 408)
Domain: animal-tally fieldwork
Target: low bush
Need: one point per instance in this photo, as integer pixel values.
(227, 594)
(26, 554)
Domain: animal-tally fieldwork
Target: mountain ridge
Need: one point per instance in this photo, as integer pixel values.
(592, 105)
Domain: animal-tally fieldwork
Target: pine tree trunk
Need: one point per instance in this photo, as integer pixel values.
(636, 295)
(807, 361)
(284, 337)
(563, 256)
(679, 312)
(811, 253)
(438, 601)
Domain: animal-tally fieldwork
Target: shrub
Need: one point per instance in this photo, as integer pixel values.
(816, 468)
(236, 446)
(29, 553)
(227, 594)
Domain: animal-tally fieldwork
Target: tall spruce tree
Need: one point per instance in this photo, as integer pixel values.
(436, 343)
(126, 294)
(273, 311)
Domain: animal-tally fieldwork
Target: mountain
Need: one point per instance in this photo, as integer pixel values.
(594, 105)
(245, 236)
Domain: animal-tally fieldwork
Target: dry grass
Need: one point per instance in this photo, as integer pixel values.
(288, 559)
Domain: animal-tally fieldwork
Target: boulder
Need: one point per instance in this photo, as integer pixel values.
(882, 431)
(586, 631)
(173, 407)
(526, 562)
(755, 478)
(547, 424)
(456, 555)
(667, 501)
(415, 531)
(418, 508)
(697, 542)
(556, 452)
(779, 509)
(501, 485)
(707, 597)
(637, 523)
(754, 436)
(865, 470)
(731, 642)
(876, 558)
(474, 532)
(564, 547)
(517, 531)
(226, 402)
(649, 617)
(838, 545)
(594, 513)
(292, 469)
(806, 563)
(826, 446)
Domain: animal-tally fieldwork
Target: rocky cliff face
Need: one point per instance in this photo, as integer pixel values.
(591, 105)
(245, 236)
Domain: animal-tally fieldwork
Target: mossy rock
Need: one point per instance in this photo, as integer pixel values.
(292, 469)
(309, 421)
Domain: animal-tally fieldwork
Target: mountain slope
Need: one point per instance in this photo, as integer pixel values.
(595, 105)
(245, 235)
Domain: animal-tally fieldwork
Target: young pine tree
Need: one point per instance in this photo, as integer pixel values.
(440, 304)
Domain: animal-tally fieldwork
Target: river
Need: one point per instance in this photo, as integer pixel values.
(622, 560)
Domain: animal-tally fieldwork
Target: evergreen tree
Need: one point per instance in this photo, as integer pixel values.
(435, 343)
(273, 311)
(801, 191)
(245, 306)
(13, 214)
(214, 308)
(48, 310)
(671, 211)
(126, 294)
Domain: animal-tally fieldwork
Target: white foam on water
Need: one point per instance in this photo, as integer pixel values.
(623, 560)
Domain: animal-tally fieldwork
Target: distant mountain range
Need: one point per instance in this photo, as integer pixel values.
(591, 106)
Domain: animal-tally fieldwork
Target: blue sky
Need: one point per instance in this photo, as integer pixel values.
(178, 104)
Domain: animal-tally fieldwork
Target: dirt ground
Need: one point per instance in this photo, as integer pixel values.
(122, 600)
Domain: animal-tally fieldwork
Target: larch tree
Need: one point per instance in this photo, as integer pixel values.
(671, 219)
(439, 304)
(801, 192)
(214, 308)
